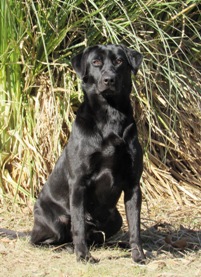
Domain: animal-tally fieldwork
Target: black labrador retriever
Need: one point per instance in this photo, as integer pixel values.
(102, 158)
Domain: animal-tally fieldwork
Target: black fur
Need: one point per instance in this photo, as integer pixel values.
(102, 158)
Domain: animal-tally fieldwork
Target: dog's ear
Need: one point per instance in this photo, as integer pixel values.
(78, 64)
(134, 58)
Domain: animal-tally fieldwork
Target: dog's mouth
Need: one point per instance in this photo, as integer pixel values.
(107, 90)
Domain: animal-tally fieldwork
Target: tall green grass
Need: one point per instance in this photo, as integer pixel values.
(40, 93)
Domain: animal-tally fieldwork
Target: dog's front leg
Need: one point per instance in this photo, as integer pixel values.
(133, 199)
(78, 224)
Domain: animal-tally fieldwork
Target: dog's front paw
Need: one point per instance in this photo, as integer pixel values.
(84, 256)
(138, 255)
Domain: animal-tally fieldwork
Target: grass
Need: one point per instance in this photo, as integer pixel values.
(40, 93)
(159, 221)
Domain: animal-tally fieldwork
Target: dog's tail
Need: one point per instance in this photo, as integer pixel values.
(13, 234)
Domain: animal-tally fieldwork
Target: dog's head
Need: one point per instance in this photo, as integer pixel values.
(107, 68)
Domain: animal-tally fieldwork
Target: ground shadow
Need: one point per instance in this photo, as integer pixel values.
(161, 238)
(165, 237)
(158, 238)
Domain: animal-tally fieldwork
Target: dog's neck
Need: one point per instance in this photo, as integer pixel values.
(100, 104)
(107, 113)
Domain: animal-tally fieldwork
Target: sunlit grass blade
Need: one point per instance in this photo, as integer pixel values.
(40, 93)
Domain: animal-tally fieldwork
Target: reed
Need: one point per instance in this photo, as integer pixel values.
(40, 93)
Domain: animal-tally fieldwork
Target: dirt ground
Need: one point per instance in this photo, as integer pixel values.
(171, 240)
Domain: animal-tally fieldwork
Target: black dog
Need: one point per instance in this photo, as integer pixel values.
(102, 158)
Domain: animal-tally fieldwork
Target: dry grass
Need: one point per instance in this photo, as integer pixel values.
(40, 93)
(39, 96)
(161, 223)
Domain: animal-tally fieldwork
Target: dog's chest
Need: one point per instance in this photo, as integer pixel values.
(112, 121)
(111, 166)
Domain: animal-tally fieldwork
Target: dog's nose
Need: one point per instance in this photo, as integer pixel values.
(109, 80)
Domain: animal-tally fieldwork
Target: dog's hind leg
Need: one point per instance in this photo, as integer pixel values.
(44, 233)
(12, 234)
(99, 234)
(113, 224)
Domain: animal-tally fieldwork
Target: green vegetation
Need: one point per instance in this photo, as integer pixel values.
(40, 93)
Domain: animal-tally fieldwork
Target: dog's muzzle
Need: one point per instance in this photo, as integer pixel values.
(107, 83)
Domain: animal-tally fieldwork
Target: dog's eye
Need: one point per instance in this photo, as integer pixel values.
(118, 61)
(97, 62)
